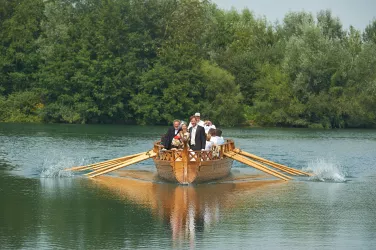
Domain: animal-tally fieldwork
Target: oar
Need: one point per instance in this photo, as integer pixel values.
(134, 160)
(273, 164)
(251, 163)
(79, 168)
(287, 170)
(279, 168)
(108, 167)
(100, 163)
(270, 169)
(112, 163)
(108, 162)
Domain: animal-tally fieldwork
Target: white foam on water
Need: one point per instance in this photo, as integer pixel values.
(326, 171)
(55, 167)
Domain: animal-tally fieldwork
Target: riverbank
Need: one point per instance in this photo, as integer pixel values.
(248, 125)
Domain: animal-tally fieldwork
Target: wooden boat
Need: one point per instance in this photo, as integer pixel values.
(186, 166)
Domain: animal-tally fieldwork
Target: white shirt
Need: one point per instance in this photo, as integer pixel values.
(213, 139)
(220, 140)
(193, 135)
(208, 145)
(217, 140)
(176, 131)
(200, 123)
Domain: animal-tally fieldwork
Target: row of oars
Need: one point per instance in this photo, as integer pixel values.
(281, 167)
(113, 164)
(265, 165)
(251, 160)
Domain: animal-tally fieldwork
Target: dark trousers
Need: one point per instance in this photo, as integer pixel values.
(195, 147)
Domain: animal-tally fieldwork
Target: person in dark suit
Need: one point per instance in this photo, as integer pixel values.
(198, 137)
(171, 132)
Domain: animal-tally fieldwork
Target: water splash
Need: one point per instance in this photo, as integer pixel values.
(325, 170)
(55, 167)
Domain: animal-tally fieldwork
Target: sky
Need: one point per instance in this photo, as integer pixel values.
(358, 13)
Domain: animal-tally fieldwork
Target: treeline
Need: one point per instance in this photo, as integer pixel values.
(150, 61)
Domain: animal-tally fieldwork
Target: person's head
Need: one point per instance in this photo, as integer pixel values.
(208, 137)
(176, 124)
(193, 121)
(184, 127)
(198, 117)
(218, 132)
(211, 132)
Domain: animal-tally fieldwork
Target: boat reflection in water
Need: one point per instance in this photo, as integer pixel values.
(186, 209)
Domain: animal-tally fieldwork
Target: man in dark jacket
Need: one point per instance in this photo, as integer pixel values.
(171, 132)
(198, 137)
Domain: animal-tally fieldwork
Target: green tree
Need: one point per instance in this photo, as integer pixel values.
(171, 89)
(90, 74)
(330, 26)
(369, 34)
(149, 62)
(20, 28)
(223, 99)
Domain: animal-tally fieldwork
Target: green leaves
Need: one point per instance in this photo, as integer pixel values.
(369, 34)
(19, 59)
(223, 99)
(21, 107)
(150, 62)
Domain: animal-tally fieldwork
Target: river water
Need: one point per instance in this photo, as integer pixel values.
(44, 207)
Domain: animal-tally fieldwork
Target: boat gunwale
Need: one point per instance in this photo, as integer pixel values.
(201, 155)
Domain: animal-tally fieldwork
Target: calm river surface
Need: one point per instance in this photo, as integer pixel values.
(43, 207)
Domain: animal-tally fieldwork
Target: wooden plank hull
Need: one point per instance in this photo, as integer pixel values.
(193, 171)
(186, 166)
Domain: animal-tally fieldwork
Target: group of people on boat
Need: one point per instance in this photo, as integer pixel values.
(197, 135)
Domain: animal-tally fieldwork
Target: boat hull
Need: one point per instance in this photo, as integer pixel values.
(185, 166)
(192, 171)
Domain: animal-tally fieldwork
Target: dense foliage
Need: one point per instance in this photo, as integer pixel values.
(150, 61)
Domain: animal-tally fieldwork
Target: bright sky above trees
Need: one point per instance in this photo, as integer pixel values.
(358, 13)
